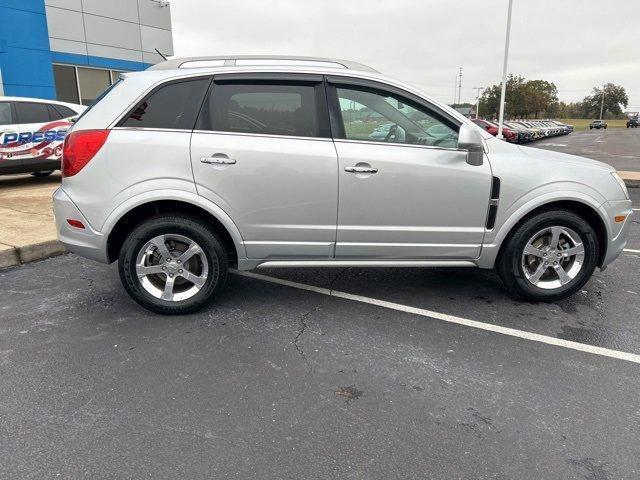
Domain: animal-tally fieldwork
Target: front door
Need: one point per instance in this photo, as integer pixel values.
(405, 190)
(262, 151)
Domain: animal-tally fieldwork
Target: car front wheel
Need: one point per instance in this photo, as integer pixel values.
(173, 264)
(549, 257)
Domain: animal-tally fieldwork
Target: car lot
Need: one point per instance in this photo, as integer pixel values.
(619, 147)
(282, 381)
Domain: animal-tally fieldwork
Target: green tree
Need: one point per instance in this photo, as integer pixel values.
(523, 98)
(615, 98)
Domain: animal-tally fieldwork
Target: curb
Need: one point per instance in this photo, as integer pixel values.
(631, 179)
(13, 256)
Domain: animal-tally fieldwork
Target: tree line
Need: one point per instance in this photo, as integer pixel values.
(539, 99)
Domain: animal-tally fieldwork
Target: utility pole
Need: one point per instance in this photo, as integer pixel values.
(478, 104)
(602, 103)
(504, 71)
(455, 87)
(459, 85)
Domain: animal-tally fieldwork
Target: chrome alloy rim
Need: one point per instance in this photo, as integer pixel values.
(553, 257)
(172, 267)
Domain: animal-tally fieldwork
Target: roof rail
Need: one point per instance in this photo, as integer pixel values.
(254, 60)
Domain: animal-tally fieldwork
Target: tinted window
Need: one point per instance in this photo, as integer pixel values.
(66, 112)
(53, 113)
(378, 116)
(32, 112)
(66, 83)
(267, 108)
(173, 106)
(5, 113)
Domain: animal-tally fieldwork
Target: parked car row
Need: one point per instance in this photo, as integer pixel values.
(525, 131)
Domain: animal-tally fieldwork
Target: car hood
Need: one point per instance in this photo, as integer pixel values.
(565, 158)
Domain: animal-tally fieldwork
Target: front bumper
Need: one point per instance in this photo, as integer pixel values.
(86, 242)
(619, 232)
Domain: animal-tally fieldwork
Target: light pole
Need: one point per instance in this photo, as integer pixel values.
(602, 103)
(504, 71)
(478, 104)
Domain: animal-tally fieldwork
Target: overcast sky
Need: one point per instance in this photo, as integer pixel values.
(576, 44)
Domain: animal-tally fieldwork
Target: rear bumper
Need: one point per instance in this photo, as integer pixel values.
(619, 234)
(83, 241)
(27, 165)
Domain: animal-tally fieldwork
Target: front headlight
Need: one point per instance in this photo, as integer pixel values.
(622, 184)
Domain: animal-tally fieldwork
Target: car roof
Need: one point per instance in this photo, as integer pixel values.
(41, 100)
(176, 69)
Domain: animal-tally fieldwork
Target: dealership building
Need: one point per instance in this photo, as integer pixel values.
(71, 50)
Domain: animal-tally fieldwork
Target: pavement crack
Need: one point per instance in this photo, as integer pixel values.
(301, 331)
(335, 279)
(27, 212)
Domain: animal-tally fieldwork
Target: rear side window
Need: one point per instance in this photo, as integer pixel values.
(262, 107)
(5, 113)
(65, 112)
(28, 112)
(174, 106)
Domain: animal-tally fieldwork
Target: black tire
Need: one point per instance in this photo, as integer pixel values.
(509, 264)
(42, 173)
(174, 224)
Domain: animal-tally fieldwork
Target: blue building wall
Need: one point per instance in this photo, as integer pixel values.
(101, 62)
(25, 56)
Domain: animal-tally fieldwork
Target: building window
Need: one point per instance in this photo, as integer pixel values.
(66, 83)
(92, 82)
(82, 85)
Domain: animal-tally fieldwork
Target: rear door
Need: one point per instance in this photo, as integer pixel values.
(262, 151)
(41, 135)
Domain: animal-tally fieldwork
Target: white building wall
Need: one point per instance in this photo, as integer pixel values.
(118, 29)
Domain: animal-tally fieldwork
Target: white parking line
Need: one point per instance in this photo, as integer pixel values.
(512, 332)
(631, 250)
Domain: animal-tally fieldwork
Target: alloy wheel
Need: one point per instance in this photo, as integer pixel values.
(553, 257)
(172, 267)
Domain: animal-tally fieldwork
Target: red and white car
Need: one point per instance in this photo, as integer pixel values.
(32, 131)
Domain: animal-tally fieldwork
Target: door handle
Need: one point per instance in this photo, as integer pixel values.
(218, 159)
(358, 169)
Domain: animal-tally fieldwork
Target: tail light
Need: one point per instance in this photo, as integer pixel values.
(79, 148)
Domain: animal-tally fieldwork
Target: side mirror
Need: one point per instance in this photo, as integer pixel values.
(469, 139)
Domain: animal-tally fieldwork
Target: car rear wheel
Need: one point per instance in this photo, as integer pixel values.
(549, 257)
(173, 264)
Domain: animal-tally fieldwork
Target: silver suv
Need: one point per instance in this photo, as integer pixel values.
(198, 165)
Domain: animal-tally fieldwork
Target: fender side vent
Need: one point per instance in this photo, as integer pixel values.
(493, 203)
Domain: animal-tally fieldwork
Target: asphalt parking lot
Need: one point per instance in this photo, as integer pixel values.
(319, 377)
(619, 147)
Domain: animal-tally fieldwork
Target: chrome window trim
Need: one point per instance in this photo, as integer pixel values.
(412, 145)
(263, 135)
(147, 129)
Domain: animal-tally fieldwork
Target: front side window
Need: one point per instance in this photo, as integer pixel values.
(372, 115)
(5, 113)
(263, 108)
(174, 106)
(28, 112)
